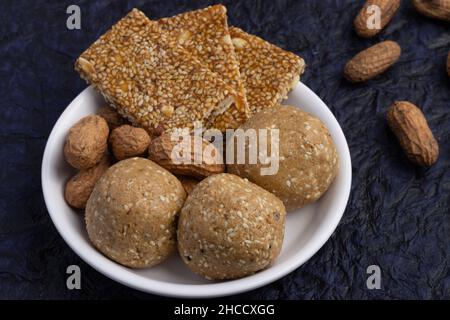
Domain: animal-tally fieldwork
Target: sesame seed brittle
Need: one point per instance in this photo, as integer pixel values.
(150, 79)
(204, 33)
(268, 72)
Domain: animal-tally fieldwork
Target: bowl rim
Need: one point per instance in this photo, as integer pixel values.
(123, 275)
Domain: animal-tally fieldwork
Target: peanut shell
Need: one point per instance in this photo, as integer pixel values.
(160, 151)
(128, 142)
(80, 186)
(412, 131)
(388, 8)
(372, 62)
(111, 116)
(86, 142)
(436, 9)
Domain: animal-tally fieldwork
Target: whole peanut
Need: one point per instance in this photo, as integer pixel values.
(86, 142)
(436, 9)
(127, 142)
(372, 62)
(387, 10)
(412, 131)
(80, 186)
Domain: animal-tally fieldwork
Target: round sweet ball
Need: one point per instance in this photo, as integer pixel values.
(131, 213)
(308, 159)
(230, 228)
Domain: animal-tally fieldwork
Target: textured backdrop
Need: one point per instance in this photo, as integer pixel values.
(397, 216)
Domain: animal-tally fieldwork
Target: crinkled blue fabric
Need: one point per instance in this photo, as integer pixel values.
(397, 216)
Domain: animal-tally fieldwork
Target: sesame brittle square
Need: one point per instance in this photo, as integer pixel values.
(204, 33)
(268, 72)
(150, 79)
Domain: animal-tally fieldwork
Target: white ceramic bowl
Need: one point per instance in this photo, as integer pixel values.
(307, 230)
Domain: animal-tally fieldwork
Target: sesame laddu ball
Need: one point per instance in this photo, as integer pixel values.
(230, 228)
(131, 213)
(308, 159)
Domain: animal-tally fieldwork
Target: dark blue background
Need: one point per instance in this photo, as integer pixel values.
(398, 214)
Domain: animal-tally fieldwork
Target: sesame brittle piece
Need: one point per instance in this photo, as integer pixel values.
(150, 79)
(204, 33)
(268, 72)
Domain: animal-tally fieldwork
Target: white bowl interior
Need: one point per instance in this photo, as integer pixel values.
(307, 229)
